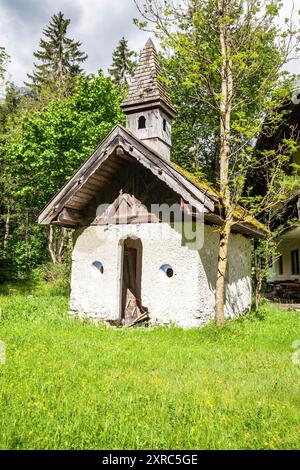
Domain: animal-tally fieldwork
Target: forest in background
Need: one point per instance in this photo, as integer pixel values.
(52, 124)
(47, 128)
(55, 122)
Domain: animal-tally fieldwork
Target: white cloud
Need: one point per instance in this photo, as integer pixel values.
(98, 24)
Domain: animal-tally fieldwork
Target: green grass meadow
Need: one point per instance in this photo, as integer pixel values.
(73, 385)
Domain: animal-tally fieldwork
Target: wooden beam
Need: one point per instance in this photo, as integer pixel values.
(170, 177)
(97, 183)
(71, 217)
(107, 173)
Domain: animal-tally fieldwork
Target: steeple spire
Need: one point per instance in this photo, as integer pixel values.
(149, 42)
(146, 87)
(148, 106)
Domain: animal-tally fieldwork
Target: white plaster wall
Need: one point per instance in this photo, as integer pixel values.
(153, 135)
(186, 299)
(285, 248)
(238, 278)
(94, 294)
(239, 286)
(173, 299)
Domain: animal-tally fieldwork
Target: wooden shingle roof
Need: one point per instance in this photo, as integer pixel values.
(69, 205)
(147, 88)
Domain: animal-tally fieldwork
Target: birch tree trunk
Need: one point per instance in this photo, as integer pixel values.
(6, 231)
(225, 131)
(62, 245)
(258, 289)
(51, 244)
(57, 243)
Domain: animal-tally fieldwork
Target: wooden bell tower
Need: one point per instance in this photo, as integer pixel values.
(148, 108)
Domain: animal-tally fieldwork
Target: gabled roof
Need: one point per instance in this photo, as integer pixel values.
(146, 88)
(113, 153)
(98, 169)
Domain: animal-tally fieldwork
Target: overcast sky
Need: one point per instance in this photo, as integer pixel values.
(98, 24)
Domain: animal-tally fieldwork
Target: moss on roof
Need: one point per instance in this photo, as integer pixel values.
(197, 181)
(239, 213)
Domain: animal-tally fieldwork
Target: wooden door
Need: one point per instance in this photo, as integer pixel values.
(130, 285)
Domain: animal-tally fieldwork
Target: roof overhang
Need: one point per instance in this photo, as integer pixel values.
(133, 147)
(290, 235)
(245, 228)
(147, 105)
(119, 147)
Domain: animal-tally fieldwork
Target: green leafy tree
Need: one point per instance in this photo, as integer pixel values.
(123, 64)
(230, 55)
(9, 106)
(195, 129)
(60, 58)
(10, 109)
(43, 151)
(4, 211)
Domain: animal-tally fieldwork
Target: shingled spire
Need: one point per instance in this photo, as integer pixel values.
(146, 88)
(148, 106)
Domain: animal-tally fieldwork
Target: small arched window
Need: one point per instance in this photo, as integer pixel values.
(142, 122)
(164, 124)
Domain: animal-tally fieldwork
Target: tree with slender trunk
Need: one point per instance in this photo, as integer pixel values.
(279, 183)
(57, 239)
(230, 54)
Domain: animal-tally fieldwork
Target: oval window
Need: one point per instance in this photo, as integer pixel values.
(167, 270)
(98, 266)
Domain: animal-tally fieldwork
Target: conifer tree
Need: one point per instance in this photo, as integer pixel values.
(60, 58)
(10, 105)
(123, 64)
(3, 61)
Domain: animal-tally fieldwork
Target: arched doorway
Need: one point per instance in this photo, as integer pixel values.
(131, 308)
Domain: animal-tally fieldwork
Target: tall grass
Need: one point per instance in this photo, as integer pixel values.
(72, 385)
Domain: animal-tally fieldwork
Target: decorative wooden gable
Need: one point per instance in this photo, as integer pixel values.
(126, 209)
(74, 204)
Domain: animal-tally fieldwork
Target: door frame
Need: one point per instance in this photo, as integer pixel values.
(130, 242)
